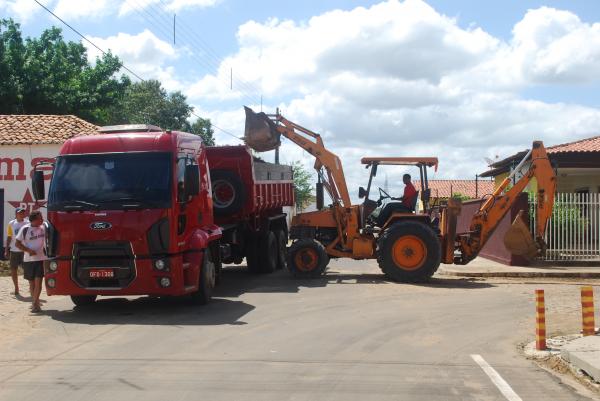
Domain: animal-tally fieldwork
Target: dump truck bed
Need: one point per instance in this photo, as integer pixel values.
(265, 187)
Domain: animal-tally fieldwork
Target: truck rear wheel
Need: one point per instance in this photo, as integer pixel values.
(253, 252)
(409, 251)
(281, 249)
(207, 280)
(83, 300)
(307, 258)
(227, 192)
(268, 252)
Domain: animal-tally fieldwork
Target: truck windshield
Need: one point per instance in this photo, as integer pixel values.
(111, 181)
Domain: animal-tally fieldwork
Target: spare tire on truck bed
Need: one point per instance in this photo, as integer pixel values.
(228, 192)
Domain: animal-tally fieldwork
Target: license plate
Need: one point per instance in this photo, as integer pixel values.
(102, 273)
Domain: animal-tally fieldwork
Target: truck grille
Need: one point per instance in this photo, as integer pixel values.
(115, 256)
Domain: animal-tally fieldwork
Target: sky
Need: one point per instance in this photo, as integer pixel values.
(466, 81)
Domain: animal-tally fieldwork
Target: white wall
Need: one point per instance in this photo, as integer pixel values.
(16, 167)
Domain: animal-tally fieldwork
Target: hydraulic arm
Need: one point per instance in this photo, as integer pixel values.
(494, 208)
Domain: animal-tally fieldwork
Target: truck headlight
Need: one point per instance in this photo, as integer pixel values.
(165, 282)
(51, 283)
(53, 266)
(160, 264)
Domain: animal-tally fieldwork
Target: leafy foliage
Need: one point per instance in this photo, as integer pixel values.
(302, 185)
(47, 75)
(461, 196)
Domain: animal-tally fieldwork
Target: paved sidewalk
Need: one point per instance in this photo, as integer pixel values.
(481, 267)
(584, 354)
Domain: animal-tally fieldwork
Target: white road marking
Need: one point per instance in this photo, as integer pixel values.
(495, 377)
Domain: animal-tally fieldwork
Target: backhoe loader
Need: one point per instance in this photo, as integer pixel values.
(408, 246)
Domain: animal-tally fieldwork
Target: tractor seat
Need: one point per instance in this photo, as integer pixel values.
(395, 207)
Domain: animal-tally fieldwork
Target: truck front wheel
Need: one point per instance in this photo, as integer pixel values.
(409, 251)
(83, 300)
(307, 258)
(207, 280)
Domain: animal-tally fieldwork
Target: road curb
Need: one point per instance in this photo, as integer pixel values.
(544, 274)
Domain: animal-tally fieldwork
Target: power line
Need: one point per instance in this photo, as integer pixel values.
(122, 65)
(86, 39)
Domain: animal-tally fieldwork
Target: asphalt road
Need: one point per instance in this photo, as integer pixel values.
(348, 336)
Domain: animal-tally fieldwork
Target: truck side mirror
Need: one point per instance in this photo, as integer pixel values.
(191, 180)
(320, 200)
(37, 185)
(362, 192)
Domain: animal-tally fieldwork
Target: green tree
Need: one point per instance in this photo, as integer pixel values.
(47, 75)
(147, 102)
(302, 185)
(203, 128)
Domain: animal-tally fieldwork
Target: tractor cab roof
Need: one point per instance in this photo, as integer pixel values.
(402, 161)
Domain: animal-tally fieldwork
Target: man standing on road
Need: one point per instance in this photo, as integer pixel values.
(31, 240)
(11, 252)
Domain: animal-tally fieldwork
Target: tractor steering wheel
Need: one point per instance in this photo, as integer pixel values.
(382, 195)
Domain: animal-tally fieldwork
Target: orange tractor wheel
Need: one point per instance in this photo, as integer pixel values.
(307, 258)
(409, 251)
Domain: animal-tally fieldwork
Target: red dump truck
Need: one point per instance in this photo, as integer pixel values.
(132, 211)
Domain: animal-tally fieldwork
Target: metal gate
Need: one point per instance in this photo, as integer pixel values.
(573, 230)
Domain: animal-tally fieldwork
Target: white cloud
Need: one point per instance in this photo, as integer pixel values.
(74, 9)
(129, 6)
(22, 11)
(399, 78)
(144, 53)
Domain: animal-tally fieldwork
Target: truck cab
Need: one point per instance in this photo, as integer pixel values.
(130, 213)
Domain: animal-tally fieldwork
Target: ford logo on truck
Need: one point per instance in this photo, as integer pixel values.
(100, 225)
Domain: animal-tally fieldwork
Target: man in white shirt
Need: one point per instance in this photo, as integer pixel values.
(11, 252)
(31, 240)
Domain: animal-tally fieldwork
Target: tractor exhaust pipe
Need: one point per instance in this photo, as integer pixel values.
(260, 132)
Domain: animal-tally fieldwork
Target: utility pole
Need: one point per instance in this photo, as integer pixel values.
(174, 19)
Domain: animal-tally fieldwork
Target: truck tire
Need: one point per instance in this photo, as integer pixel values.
(307, 258)
(228, 192)
(268, 251)
(252, 252)
(282, 240)
(207, 280)
(83, 300)
(409, 251)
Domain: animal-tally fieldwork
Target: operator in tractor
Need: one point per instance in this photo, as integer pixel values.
(410, 193)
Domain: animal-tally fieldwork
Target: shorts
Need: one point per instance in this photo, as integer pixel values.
(16, 259)
(33, 270)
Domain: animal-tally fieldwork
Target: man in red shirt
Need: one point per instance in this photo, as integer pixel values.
(408, 199)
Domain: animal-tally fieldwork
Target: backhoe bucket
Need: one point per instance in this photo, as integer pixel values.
(260, 133)
(518, 239)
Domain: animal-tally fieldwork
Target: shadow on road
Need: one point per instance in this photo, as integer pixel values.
(154, 311)
(236, 280)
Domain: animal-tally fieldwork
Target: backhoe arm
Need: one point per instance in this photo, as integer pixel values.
(493, 210)
(262, 128)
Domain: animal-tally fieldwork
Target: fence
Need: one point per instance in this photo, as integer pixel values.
(573, 230)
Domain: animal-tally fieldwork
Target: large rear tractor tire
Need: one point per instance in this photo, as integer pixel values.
(282, 241)
(409, 251)
(83, 300)
(207, 281)
(307, 258)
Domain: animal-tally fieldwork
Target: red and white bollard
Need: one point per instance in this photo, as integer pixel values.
(540, 321)
(587, 311)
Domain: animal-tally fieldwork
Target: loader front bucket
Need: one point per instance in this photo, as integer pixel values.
(518, 239)
(260, 133)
